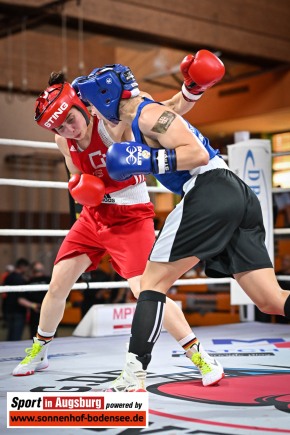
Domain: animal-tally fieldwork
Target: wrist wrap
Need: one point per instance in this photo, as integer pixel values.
(163, 160)
(188, 96)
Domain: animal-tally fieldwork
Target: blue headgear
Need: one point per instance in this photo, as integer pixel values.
(75, 85)
(105, 87)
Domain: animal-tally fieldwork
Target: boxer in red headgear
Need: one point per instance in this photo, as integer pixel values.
(54, 103)
(117, 218)
(56, 106)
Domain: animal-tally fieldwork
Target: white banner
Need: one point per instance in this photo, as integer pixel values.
(251, 160)
(108, 319)
(77, 410)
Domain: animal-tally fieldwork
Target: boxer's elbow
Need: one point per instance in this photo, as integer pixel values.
(204, 157)
(200, 157)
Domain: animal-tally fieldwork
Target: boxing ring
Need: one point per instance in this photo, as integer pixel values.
(254, 397)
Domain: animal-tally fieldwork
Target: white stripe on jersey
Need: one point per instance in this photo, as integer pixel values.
(104, 135)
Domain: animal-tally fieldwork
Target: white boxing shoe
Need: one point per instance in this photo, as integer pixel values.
(133, 376)
(210, 369)
(35, 360)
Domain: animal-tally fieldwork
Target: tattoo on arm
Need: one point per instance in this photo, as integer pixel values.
(164, 122)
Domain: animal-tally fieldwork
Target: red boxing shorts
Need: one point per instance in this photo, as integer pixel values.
(125, 232)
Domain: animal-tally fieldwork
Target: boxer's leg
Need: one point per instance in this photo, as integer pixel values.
(147, 325)
(176, 324)
(263, 288)
(65, 274)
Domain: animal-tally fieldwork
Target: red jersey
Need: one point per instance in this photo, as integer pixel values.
(93, 161)
(122, 225)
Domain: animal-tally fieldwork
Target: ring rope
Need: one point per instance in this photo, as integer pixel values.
(117, 284)
(60, 184)
(47, 233)
(28, 143)
(63, 185)
(57, 233)
(32, 183)
(52, 145)
(109, 284)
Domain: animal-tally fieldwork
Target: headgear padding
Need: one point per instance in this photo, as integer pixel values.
(53, 105)
(105, 87)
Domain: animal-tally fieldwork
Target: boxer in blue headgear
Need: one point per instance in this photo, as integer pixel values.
(105, 87)
(219, 220)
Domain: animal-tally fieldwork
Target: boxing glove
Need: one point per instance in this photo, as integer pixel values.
(86, 189)
(125, 159)
(200, 73)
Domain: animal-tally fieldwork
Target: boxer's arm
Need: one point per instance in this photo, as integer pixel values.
(177, 147)
(179, 104)
(125, 159)
(200, 72)
(169, 130)
(87, 189)
(61, 143)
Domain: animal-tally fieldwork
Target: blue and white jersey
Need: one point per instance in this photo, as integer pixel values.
(174, 181)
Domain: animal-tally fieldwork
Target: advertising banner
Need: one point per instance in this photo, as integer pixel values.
(77, 410)
(251, 160)
(107, 319)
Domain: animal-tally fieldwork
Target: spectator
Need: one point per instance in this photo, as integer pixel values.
(8, 269)
(16, 303)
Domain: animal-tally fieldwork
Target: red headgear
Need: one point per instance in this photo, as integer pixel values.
(53, 104)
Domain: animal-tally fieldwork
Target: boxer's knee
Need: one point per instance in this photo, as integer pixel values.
(57, 291)
(135, 286)
(278, 306)
(136, 292)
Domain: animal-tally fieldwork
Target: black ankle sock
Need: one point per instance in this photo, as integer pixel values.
(287, 308)
(147, 322)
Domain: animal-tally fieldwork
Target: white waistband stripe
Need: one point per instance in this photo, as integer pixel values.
(136, 194)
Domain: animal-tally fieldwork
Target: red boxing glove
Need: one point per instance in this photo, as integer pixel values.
(200, 72)
(86, 189)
